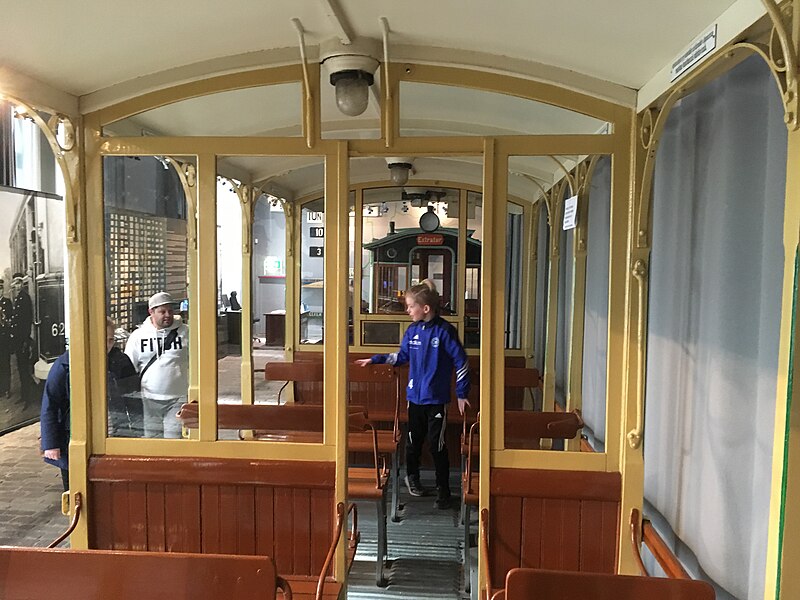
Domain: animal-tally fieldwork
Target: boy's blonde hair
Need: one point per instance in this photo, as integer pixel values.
(425, 293)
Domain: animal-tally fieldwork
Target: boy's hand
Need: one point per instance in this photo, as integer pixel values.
(363, 362)
(462, 404)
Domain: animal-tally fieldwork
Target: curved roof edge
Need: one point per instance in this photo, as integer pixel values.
(451, 57)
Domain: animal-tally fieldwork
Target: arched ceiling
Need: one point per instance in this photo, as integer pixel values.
(96, 46)
(103, 52)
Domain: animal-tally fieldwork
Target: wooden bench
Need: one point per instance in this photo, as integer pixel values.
(546, 584)
(523, 429)
(538, 584)
(373, 389)
(288, 422)
(285, 422)
(282, 509)
(30, 573)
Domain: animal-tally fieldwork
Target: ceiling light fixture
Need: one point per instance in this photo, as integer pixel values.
(351, 69)
(399, 168)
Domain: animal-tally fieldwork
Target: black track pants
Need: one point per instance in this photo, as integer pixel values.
(428, 420)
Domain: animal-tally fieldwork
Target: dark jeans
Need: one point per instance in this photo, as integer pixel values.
(428, 421)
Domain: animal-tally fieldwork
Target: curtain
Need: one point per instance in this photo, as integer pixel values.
(513, 279)
(714, 317)
(595, 329)
(7, 157)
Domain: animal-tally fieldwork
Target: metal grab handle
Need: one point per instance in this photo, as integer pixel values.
(73, 524)
(639, 271)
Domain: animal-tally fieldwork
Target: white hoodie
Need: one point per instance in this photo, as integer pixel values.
(168, 376)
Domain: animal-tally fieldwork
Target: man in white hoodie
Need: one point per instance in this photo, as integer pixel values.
(159, 349)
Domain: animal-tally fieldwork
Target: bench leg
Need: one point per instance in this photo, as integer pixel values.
(382, 549)
(463, 471)
(395, 485)
(467, 574)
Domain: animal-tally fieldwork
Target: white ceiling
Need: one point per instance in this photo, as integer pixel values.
(84, 47)
(101, 52)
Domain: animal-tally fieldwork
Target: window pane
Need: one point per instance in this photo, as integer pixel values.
(312, 271)
(147, 283)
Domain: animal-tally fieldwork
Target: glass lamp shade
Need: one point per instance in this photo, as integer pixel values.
(398, 173)
(352, 95)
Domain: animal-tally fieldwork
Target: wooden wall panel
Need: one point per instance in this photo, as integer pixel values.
(277, 508)
(563, 520)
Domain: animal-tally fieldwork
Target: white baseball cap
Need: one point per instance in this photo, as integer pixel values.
(159, 299)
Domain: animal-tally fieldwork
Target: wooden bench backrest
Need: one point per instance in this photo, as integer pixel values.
(518, 382)
(566, 520)
(287, 417)
(375, 387)
(524, 428)
(102, 575)
(282, 509)
(525, 584)
(293, 371)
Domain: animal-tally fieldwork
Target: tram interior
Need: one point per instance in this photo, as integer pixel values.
(609, 219)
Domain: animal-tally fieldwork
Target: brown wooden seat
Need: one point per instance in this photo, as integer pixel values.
(280, 508)
(524, 429)
(377, 389)
(370, 483)
(373, 389)
(524, 584)
(267, 418)
(306, 372)
(285, 423)
(125, 575)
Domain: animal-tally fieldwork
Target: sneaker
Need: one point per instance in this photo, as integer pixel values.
(414, 486)
(442, 498)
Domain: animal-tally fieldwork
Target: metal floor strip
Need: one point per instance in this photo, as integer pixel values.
(424, 551)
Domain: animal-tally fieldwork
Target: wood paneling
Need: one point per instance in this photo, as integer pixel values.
(564, 520)
(282, 509)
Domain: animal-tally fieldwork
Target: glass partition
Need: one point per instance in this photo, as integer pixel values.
(472, 284)
(409, 235)
(230, 342)
(569, 249)
(312, 271)
(146, 251)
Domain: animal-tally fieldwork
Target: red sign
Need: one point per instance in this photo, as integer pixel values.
(430, 239)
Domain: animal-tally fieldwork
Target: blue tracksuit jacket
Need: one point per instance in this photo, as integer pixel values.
(432, 350)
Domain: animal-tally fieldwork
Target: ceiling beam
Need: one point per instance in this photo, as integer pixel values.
(335, 15)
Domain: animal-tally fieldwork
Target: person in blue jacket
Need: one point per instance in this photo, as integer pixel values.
(54, 418)
(432, 349)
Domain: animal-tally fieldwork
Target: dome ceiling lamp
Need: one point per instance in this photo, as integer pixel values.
(351, 70)
(400, 168)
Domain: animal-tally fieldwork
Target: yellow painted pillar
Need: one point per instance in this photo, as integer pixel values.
(206, 311)
(627, 341)
(335, 322)
(783, 549)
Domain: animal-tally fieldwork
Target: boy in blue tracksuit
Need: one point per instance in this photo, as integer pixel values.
(432, 349)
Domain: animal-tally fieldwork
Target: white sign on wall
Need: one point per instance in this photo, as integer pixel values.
(570, 213)
(273, 266)
(697, 50)
(313, 216)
